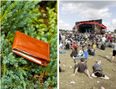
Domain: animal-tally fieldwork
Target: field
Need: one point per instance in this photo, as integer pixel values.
(80, 81)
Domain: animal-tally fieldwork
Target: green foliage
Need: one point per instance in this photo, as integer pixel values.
(18, 73)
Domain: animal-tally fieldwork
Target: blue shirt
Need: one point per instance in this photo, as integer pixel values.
(85, 53)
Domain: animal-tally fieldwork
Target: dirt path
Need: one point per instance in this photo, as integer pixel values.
(81, 81)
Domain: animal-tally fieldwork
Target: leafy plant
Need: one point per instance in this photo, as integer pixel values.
(27, 17)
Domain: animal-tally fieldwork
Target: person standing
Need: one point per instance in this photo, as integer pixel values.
(74, 54)
(94, 47)
(114, 50)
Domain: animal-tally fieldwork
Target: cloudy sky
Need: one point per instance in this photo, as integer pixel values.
(73, 11)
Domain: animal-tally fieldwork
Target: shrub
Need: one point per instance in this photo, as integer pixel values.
(26, 16)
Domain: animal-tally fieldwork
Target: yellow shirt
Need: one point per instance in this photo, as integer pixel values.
(94, 46)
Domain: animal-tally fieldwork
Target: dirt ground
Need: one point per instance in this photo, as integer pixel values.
(81, 81)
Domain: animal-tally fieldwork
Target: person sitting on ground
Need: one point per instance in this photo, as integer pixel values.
(103, 39)
(61, 48)
(80, 53)
(82, 67)
(98, 71)
(85, 52)
(103, 44)
(90, 50)
(67, 44)
(60, 69)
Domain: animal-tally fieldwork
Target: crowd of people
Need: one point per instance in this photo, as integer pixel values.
(85, 44)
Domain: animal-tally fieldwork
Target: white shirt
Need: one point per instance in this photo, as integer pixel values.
(60, 45)
(103, 39)
(67, 41)
(114, 46)
(80, 53)
(63, 37)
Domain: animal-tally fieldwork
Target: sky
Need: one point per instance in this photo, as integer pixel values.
(74, 11)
